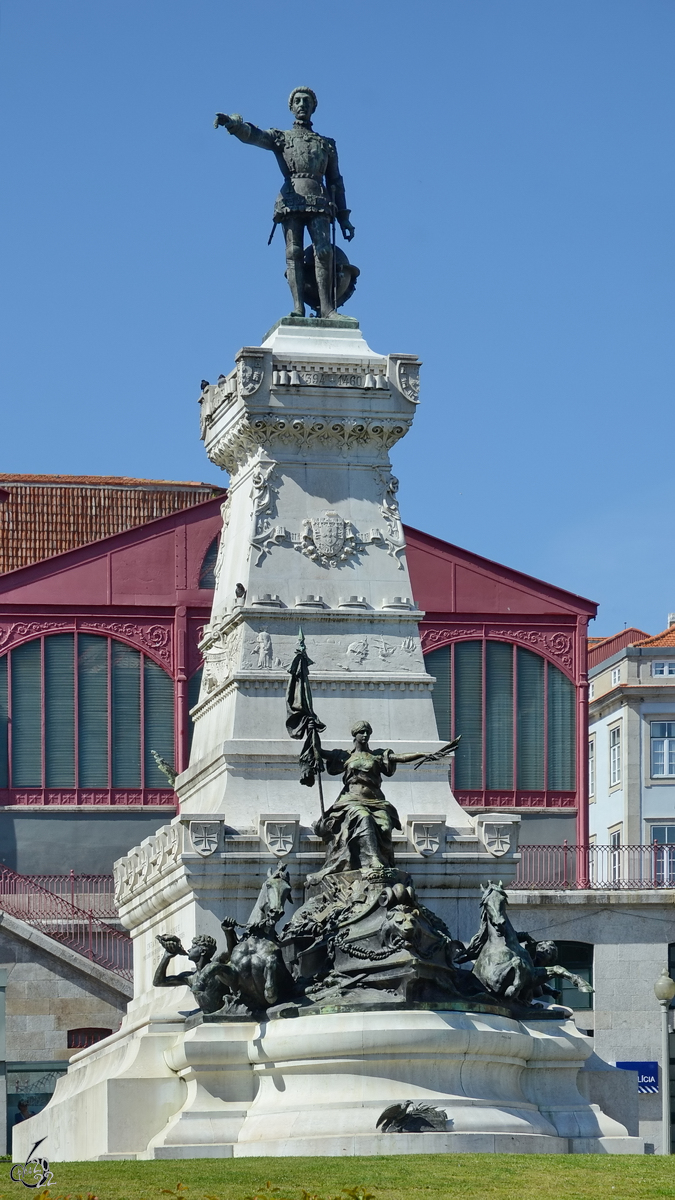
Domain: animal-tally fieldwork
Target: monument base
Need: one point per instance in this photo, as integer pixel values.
(320, 1084)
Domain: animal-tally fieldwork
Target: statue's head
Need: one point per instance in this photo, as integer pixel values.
(302, 103)
(361, 732)
(547, 954)
(202, 945)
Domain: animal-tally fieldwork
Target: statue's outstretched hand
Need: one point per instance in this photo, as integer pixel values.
(170, 943)
(444, 752)
(348, 230)
(228, 122)
(228, 923)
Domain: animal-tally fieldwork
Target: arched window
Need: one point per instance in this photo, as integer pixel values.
(577, 957)
(515, 712)
(80, 710)
(207, 573)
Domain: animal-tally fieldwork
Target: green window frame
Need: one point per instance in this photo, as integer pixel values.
(515, 710)
(80, 710)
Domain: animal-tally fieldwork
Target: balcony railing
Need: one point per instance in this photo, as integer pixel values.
(606, 868)
(71, 909)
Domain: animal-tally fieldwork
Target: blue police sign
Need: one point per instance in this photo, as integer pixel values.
(647, 1074)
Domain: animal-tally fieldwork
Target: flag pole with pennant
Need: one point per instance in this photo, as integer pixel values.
(302, 721)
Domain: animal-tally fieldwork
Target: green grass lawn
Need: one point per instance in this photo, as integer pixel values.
(392, 1177)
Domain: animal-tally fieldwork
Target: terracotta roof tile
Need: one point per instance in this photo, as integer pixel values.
(601, 648)
(667, 638)
(43, 515)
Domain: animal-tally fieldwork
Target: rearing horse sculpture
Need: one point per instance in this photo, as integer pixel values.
(505, 966)
(502, 964)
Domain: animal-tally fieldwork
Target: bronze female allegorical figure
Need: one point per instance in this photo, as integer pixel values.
(312, 194)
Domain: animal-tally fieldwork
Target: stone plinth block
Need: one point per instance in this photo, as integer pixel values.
(318, 1085)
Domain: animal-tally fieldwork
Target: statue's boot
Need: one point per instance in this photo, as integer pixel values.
(324, 283)
(295, 277)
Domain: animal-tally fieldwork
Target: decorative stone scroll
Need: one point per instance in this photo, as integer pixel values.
(249, 432)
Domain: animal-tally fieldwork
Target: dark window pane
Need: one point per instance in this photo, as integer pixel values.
(469, 714)
(207, 575)
(577, 957)
(4, 722)
(92, 686)
(499, 714)
(530, 720)
(27, 716)
(438, 664)
(561, 730)
(194, 687)
(60, 710)
(126, 716)
(158, 722)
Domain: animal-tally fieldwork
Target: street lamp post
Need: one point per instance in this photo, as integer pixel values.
(664, 990)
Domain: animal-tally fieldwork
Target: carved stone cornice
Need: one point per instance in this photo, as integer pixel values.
(250, 432)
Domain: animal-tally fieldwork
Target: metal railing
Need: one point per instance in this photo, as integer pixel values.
(69, 909)
(92, 893)
(625, 868)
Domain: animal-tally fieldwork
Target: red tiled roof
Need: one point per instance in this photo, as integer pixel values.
(43, 515)
(667, 638)
(602, 648)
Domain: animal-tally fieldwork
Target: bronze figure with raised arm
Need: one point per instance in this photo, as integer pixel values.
(358, 828)
(312, 194)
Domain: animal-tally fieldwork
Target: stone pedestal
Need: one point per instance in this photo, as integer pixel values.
(312, 537)
(317, 1085)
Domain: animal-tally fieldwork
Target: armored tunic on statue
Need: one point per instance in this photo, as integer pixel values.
(359, 825)
(305, 158)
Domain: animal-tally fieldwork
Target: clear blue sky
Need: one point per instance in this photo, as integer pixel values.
(510, 169)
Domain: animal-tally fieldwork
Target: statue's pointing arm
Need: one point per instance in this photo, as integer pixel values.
(246, 132)
(336, 188)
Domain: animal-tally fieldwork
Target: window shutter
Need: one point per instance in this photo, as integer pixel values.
(499, 714)
(561, 730)
(530, 720)
(469, 714)
(60, 710)
(438, 664)
(4, 724)
(27, 716)
(92, 687)
(126, 715)
(159, 722)
(194, 688)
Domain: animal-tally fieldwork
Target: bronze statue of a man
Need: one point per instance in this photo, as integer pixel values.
(312, 194)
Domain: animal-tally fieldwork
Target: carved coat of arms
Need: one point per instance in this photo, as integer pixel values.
(280, 838)
(408, 379)
(426, 837)
(328, 539)
(250, 374)
(497, 839)
(204, 837)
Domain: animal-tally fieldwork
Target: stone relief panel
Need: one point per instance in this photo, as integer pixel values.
(498, 832)
(376, 652)
(394, 537)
